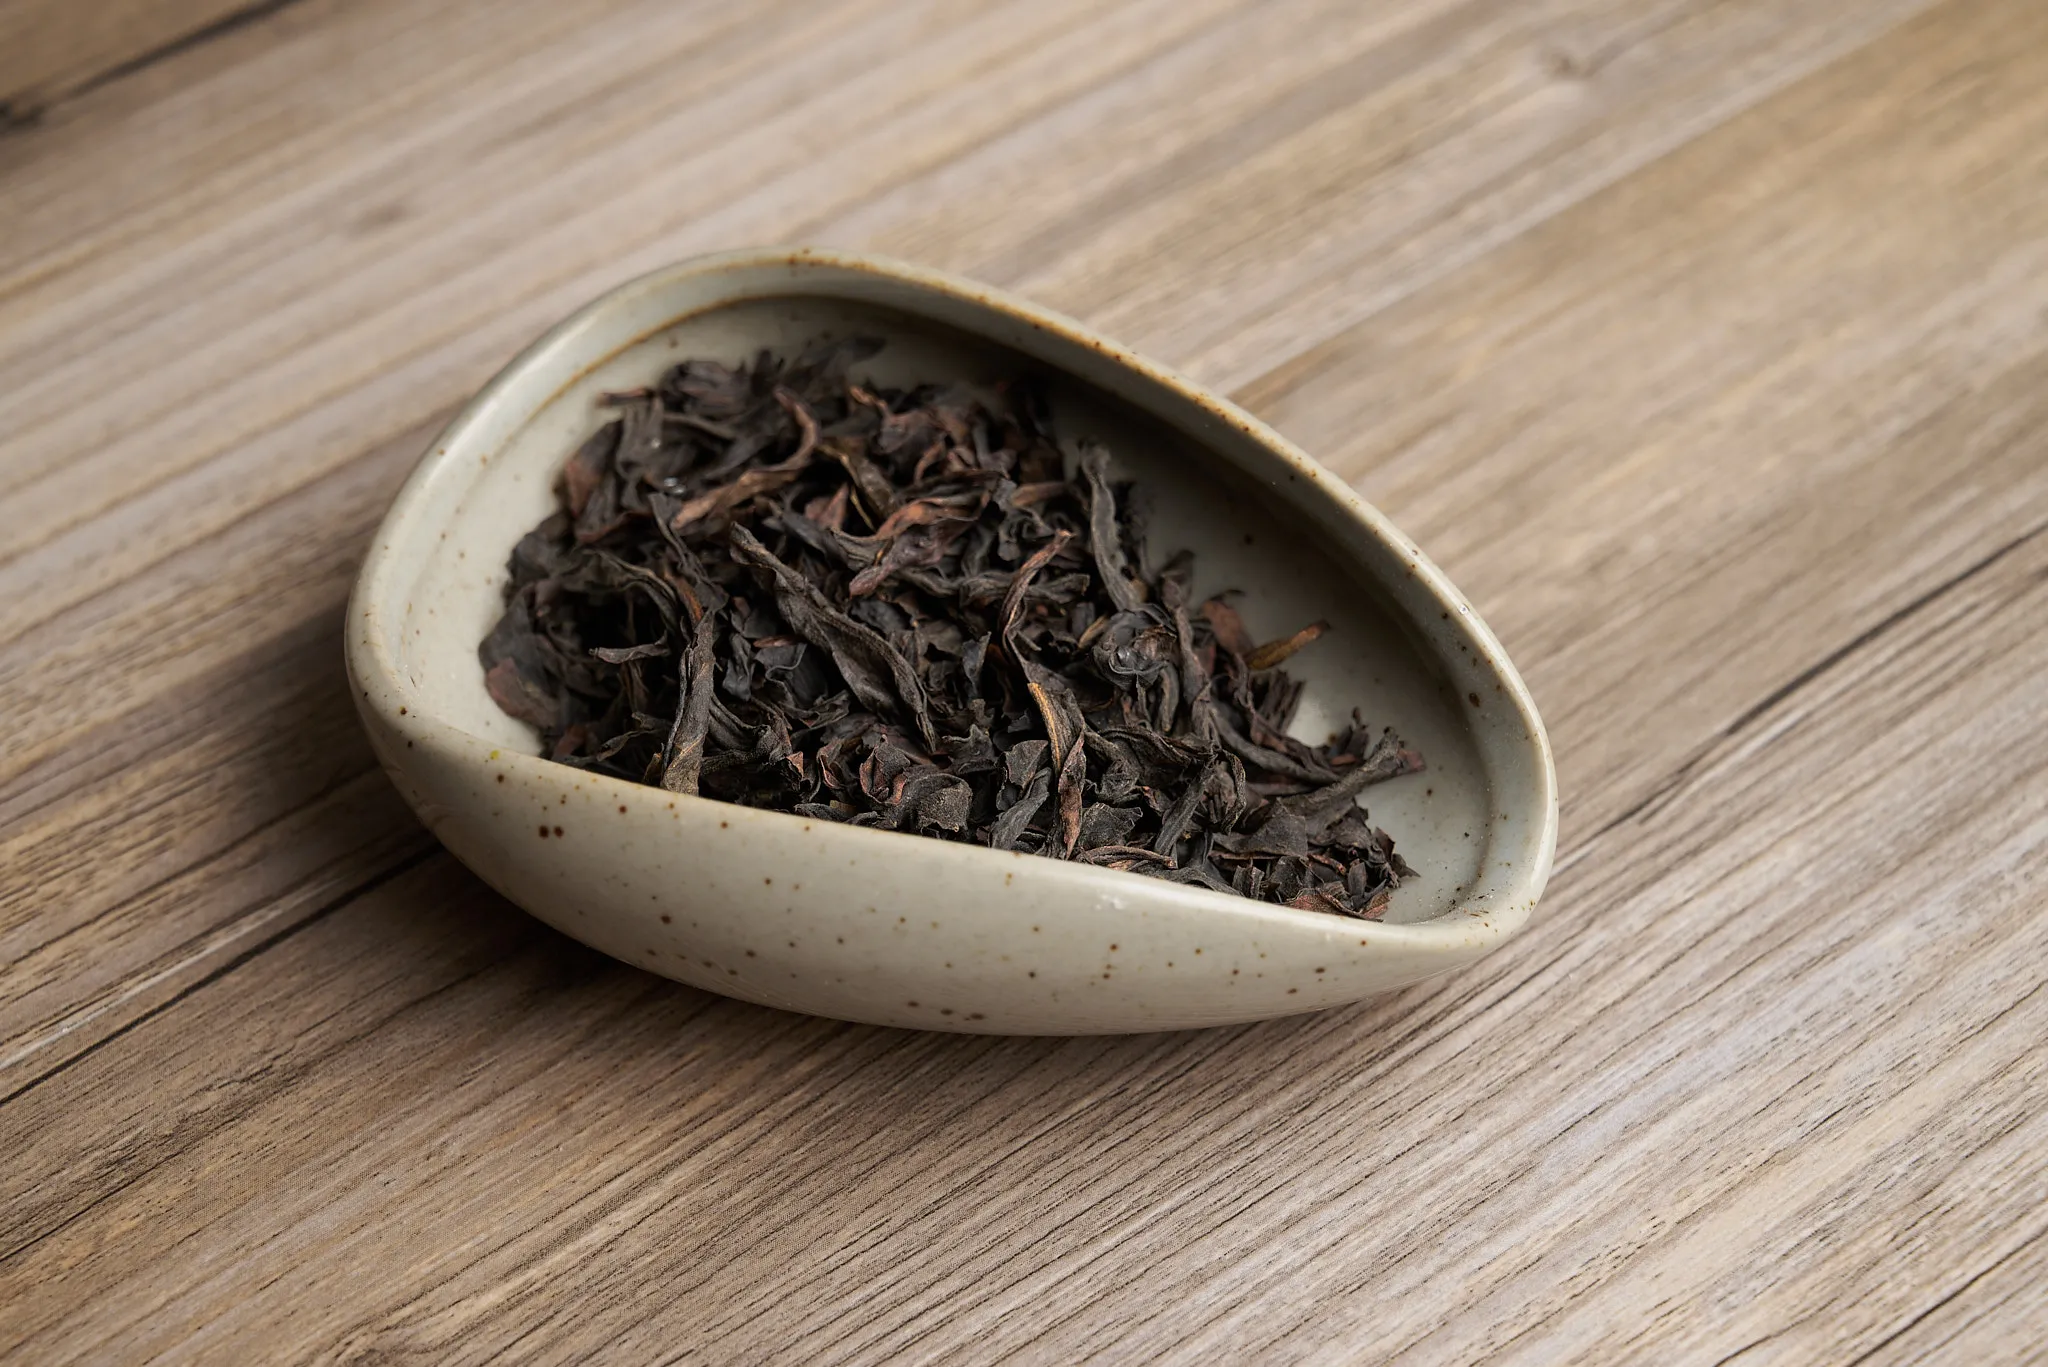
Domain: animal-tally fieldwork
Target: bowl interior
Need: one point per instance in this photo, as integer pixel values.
(1245, 535)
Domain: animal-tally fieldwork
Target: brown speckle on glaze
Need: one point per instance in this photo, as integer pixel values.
(543, 833)
(558, 832)
(501, 778)
(1472, 698)
(669, 920)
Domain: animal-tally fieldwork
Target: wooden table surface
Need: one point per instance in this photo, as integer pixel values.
(1703, 342)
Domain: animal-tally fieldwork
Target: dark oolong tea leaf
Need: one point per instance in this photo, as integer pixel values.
(920, 610)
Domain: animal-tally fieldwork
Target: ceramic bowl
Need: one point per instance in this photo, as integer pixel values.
(905, 930)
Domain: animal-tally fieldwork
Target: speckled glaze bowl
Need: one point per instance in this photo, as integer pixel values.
(905, 930)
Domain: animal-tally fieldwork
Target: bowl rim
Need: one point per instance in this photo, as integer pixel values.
(458, 454)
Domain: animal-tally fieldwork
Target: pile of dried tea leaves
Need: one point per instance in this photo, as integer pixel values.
(919, 610)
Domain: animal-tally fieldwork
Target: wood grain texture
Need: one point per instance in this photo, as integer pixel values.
(50, 48)
(1705, 344)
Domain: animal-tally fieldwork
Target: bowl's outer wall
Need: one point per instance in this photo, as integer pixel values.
(892, 929)
(867, 930)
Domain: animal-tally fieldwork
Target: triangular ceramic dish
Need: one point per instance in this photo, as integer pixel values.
(905, 930)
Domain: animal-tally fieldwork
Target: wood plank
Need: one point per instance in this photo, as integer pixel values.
(305, 370)
(1734, 412)
(335, 312)
(1765, 1079)
(193, 620)
(224, 791)
(1998, 1315)
(1457, 135)
(162, 630)
(49, 48)
(85, 957)
(1662, 1125)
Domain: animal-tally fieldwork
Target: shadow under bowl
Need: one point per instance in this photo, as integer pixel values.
(905, 930)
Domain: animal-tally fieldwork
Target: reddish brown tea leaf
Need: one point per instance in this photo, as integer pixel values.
(1274, 653)
(770, 584)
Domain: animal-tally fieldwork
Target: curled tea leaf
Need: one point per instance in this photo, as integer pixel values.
(919, 610)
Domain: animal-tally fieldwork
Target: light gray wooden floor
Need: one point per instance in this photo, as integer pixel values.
(1703, 342)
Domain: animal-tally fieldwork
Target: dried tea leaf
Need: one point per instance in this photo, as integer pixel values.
(916, 609)
(1273, 653)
